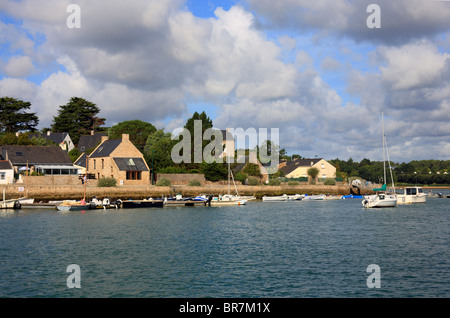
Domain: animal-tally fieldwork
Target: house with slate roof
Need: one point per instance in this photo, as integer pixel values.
(298, 168)
(88, 142)
(61, 139)
(48, 160)
(118, 159)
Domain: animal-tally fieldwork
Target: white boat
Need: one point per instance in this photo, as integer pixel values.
(278, 198)
(296, 197)
(284, 197)
(332, 197)
(315, 197)
(228, 199)
(103, 204)
(411, 195)
(10, 203)
(26, 201)
(233, 202)
(382, 198)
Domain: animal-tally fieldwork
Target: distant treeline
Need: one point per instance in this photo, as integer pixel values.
(417, 171)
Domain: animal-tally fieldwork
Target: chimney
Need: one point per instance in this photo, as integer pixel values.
(48, 132)
(125, 137)
(92, 133)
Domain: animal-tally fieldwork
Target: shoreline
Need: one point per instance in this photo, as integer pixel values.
(47, 193)
(76, 192)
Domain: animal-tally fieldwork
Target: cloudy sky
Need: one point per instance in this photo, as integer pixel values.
(313, 69)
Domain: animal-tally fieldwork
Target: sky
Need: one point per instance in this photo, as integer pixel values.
(319, 71)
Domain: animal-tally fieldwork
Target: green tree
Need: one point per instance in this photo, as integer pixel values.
(77, 117)
(138, 130)
(11, 139)
(206, 123)
(214, 171)
(13, 117)
(313, 172)
(252, 169)
(157, 150)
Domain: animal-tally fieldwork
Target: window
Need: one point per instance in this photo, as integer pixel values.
(103, 163)
(323, 166)
(94, 164)
(130, 162)
(19, 153)
(134, 175)
(2, 175)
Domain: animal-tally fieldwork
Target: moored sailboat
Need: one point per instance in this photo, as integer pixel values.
(382, 198)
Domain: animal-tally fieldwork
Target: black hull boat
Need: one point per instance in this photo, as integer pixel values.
(136, 204)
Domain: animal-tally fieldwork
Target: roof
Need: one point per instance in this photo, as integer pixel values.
(89, 141)
(81, 160)
(294, 164)
(106, 148)
(130, 164)
(21, 155)
(227, 136)
(5, 165)
(57, 138)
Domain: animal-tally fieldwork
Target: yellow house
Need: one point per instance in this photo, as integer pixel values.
(119, 159)
(298, 168)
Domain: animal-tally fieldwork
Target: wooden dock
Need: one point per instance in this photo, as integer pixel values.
(185, 203)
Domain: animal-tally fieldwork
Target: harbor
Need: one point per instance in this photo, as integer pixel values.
(292, 249)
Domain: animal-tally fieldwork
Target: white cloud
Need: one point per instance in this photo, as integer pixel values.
(19, 66)
(148, 59)
(412, 65)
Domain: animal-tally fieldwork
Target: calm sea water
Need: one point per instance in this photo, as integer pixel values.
(282, 249)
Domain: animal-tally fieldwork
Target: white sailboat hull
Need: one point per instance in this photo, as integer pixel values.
(380, 201)
(9, 204)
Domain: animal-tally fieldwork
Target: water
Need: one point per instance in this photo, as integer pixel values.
(263, 249)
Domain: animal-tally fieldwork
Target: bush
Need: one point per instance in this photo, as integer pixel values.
(252, 169)
(253, 181)
(240, 177)
(293, 183)
(194, 183)
(329, 181)
(274, 182)
(163, 182)
(106, 182)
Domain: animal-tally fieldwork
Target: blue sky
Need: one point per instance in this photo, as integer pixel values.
(312, 69)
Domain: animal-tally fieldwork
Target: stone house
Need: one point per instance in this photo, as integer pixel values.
(298, 168)
(119, 159)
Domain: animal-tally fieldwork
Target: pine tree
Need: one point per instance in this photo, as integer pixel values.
(13, 118)
(78, 117)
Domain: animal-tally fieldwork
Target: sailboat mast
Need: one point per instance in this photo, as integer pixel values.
(384, 150)
(229, 170)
